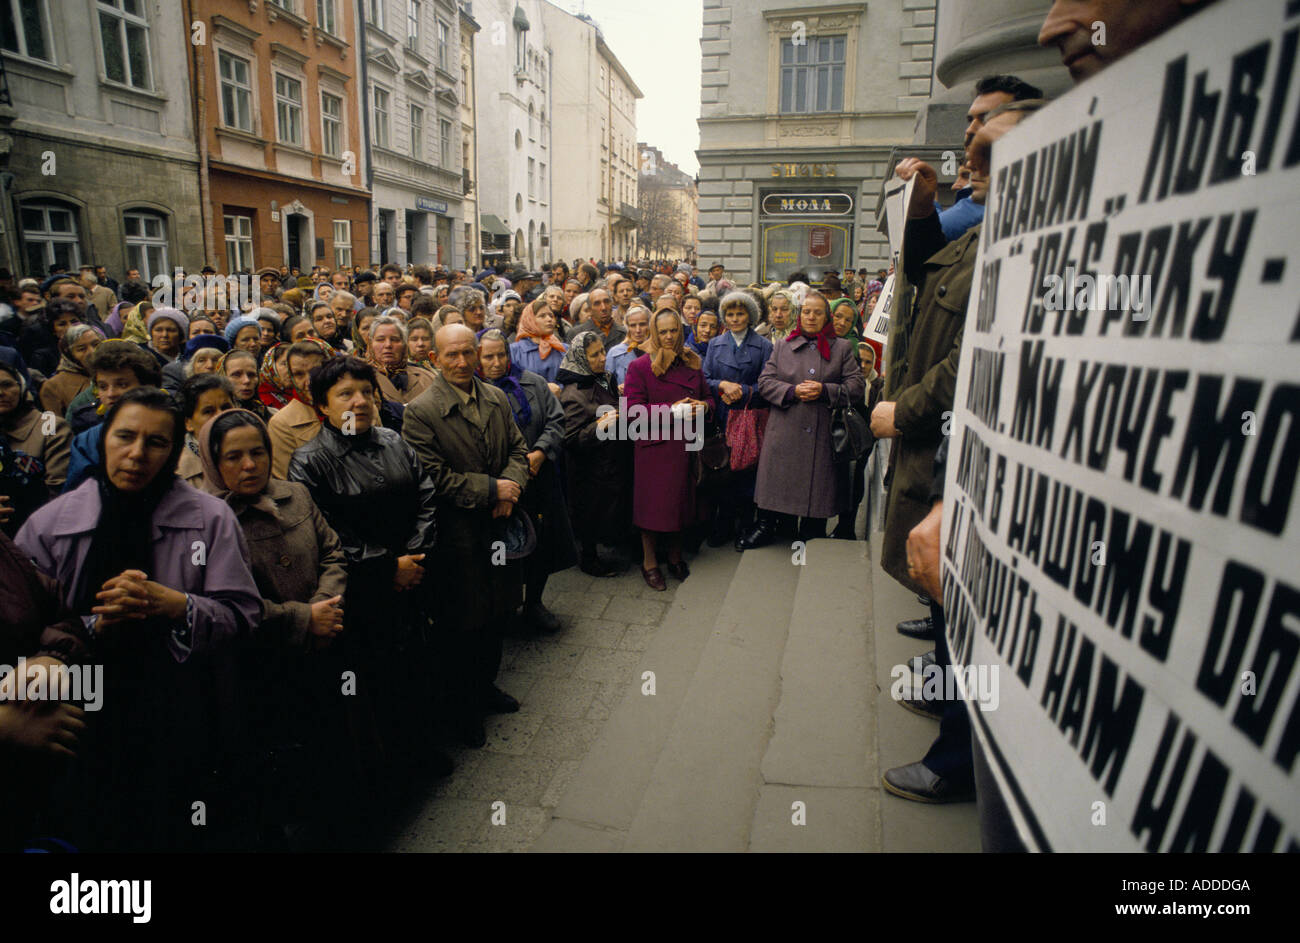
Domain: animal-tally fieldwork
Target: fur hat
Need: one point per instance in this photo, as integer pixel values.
(742, 298)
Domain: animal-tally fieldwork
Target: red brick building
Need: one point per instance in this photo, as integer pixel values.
(281, 155)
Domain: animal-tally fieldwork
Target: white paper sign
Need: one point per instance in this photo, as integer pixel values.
(1120, 520)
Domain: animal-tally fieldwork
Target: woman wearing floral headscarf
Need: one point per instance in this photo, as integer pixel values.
(597, 463)
(663, 497)
(276, 386)
(538, 348)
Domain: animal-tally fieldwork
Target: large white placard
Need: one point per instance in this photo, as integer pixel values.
(1120, 533)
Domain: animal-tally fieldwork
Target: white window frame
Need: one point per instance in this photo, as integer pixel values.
(342, 247)
(246, 90)
(383, 129)
(810, 70)
(532, 179)
(375, 13)
(287, 108)
(20, 30)
(413, 12)
(327, 16)
(417, 131)
(444, 46)
(143, 242)
(47, 236)
(444, 143)
(125, 22)
(330, 122)
(239, 241)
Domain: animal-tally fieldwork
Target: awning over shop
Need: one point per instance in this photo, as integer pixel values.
(493, 225)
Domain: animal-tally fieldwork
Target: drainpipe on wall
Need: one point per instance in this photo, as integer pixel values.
(201, 136)
(364, 107)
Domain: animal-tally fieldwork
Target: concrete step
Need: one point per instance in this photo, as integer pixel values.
(601, 800)
(706, 783)
(822, 752)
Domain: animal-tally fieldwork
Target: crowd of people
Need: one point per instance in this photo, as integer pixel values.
(294, 533)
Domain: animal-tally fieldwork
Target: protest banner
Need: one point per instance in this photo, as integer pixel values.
(1119, 530)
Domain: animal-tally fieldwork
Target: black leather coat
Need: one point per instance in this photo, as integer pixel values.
(374, 493)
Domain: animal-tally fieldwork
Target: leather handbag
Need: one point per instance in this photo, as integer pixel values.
(745, 428)
(713, 461)
(851, 437)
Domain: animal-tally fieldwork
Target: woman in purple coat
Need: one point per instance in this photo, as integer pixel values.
(808, 373)
(158, 574)
(667, 397)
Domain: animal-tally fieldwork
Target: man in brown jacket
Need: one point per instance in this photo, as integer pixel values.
(466, 437)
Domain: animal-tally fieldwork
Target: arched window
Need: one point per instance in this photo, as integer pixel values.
(532, 123)
(146, 242)
(519, 244)
(50, 236)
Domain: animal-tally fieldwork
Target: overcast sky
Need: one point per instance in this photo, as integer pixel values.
(658, 43)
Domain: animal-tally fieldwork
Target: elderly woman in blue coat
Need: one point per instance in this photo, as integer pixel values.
(732, 363)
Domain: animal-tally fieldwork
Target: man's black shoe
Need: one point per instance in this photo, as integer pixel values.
(917, 628)
(916, 782)
(920, 705)
(497, 701)
(541, 618)
(920, 663)
(924, 601)
(760, 535)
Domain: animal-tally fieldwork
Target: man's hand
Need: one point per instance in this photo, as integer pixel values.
(508, 490)
(882, 421)
(327, 617)
(409, 572)
(555, 388)
(923, 552)
(6, 509)
(808, 390)
(503, 509)
(536, 459)
(923, 191)
(730, 392)
(42, 726)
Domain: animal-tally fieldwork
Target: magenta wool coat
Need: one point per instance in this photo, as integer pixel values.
(795, 472)
(663, 494)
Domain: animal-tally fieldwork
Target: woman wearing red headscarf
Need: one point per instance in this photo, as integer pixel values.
(808, 373)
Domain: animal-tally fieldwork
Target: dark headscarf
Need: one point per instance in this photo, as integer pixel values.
(123, 536)
(509, 383)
